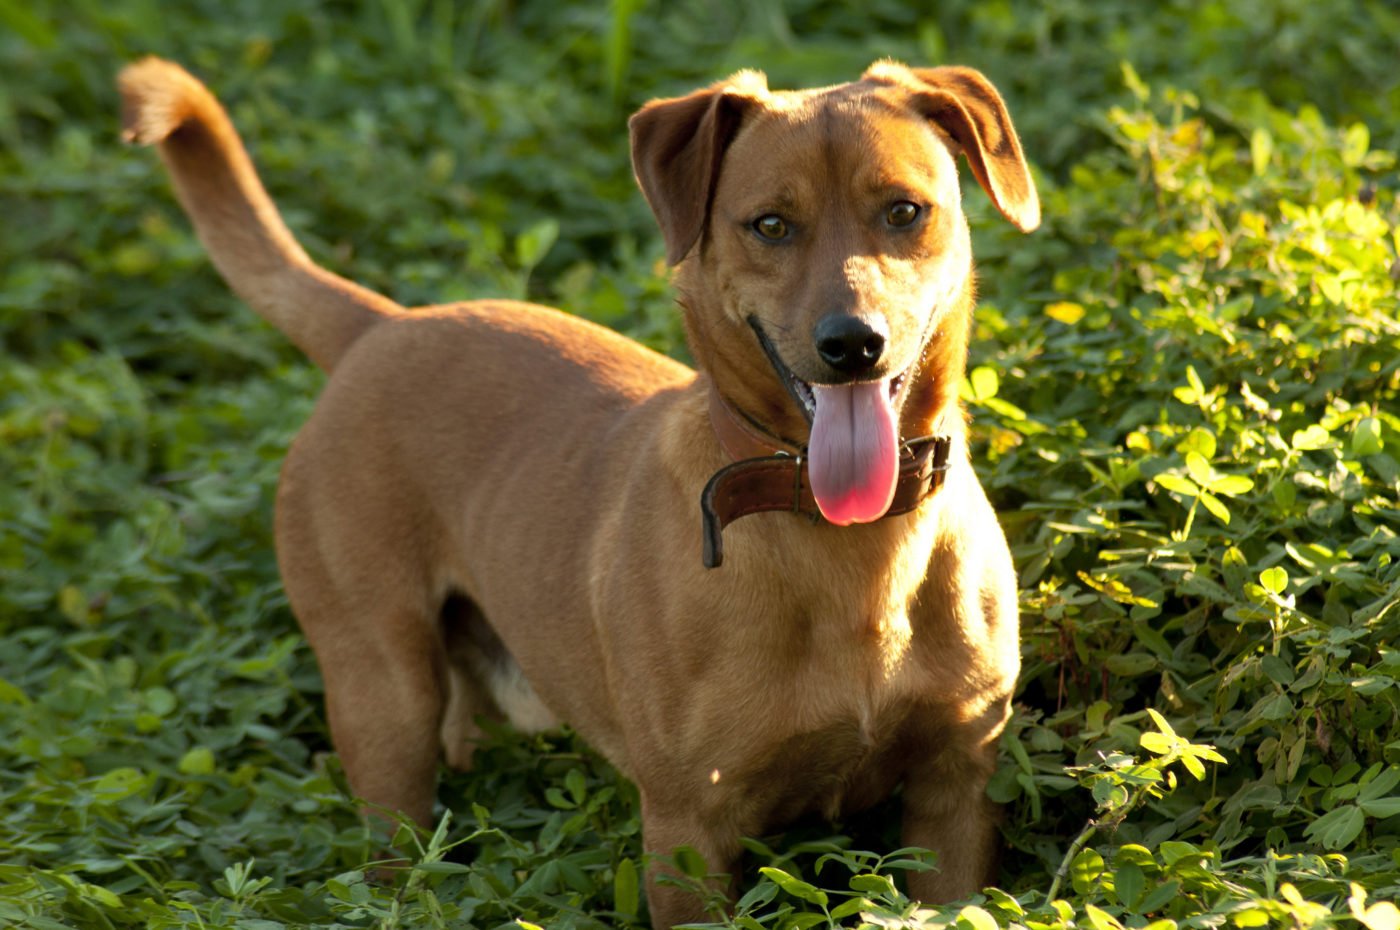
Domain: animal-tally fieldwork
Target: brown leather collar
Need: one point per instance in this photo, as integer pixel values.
(742, 438)
(771, 474)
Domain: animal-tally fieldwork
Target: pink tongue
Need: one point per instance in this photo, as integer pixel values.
(853, 458)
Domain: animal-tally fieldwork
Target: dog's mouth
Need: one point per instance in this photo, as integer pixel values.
(805, 394)
(853, 450)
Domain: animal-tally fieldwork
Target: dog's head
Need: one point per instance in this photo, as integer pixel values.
(824, 258)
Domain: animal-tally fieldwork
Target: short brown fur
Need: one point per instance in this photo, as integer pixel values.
(542, 474)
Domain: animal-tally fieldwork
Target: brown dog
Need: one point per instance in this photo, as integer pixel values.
(493, 509)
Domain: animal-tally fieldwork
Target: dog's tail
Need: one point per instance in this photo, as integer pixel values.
(320, 312)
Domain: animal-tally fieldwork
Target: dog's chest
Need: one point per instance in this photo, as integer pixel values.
(833, 733)
(834, 762)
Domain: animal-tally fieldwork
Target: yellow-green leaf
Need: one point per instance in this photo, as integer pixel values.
(1195, 381)
(1366, 437)
(1314, 437)
(1261, 149)
(1250, 917)
(795, 886)
(626, 888)
(117, 784)
(985, 382)
(1207, 752)
(1216, 506)
(1331, 286)
(1381, 916)
(1274, 579)
(1087, 867)
(1199, 440)
(1155, 743)
(1231, 485)
(973, 917)
(1066, 312)
(1178, 484)
(1100, 919)
(1005, 409)
(1357, 143)
(198, 761)
(1161, 722)
(1199, 469)
(533, 243)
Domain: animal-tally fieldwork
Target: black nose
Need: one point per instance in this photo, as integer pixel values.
(850, 344)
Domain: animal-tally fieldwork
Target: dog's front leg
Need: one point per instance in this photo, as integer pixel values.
(946, 809)
(665, 829)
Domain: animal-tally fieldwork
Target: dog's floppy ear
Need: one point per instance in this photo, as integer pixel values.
(677, 147)
(968, 107)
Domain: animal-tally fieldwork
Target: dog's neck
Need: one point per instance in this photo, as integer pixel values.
(739, 435)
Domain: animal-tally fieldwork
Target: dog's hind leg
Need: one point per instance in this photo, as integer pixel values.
(373, 622)
(385, 698)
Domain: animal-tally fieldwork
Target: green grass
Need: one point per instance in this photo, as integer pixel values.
(1185, 398)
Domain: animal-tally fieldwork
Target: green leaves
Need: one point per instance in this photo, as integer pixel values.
(198, 761)
(1366, 437)
(1171, 747)
(795, 887)
(1205, 483)
(1374, 795)
(626, 888)
(534, 243)
(973, 917)
(981, 387)
(1270, 621)
(1086, 870)
(1337, 829)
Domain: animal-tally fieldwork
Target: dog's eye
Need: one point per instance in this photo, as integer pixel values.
(902, 213)
(771, 226)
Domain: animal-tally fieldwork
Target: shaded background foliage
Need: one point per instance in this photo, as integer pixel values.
(1184, 394)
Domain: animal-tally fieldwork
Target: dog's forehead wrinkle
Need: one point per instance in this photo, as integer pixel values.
(834, 149)
(874, 147)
